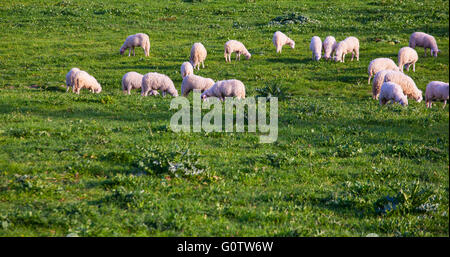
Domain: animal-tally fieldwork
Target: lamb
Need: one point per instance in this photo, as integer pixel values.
(226, 88)
(436, 90)
(156, 81)
(316, 47)
(424, 40)
(350, 44)
(198, 55)
(409, 87)
(233, 46)
(407, 56)
(82, 79)
(329, 47)
(139, 39)
(378, 80)
(133, 80)
(379, 64)
(186, 69)
(393, 92)
(280, 39)
(69, 78)
(192, 82)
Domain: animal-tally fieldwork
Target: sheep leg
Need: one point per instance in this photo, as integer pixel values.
(133, 51)
(353, 55)
(370, 76)
(407, 67)
(129, 51)
(445, 103)
(414, 67)
(425, 52)
(343, 57)
(203, 64)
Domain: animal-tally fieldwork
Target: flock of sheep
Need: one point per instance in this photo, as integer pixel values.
(389, 81)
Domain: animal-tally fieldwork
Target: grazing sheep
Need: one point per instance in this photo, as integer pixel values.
(329, 47)
(393, 92)
(226, 88)
(139, 39)
(436, 90)
(198, 55)
(280, 39)
(424, 40)
(69, 78)
(378, 80)
(186, 69)
(156, 81)
(407, 56)
(409, 87)
(379, 64)
(133, 80)
(350, 44)
(192, 82)
(316, 47)
(233, 46)
(82, 79)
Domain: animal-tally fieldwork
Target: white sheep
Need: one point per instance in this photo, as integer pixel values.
(186, 69)
(350, 44)
(82, 79)
(69, 78)
(436, 90)
(233, 46)
(133, 80)
(407, 56)
(139, 39)
(156, 81)
(329, 47)
(424, 40)
(393, 92)
(378, 80)
(379, 64)
(409, 87)
(280, 39)
(198, 55)
(192, 82)
(316, 47)
(226, 88)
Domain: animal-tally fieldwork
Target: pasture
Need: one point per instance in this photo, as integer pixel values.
(99, 164)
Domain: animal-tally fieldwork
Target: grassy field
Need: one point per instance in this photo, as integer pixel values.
(342, 166)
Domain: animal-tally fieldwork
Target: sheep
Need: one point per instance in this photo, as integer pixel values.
(329, 47)
(69, 78)
(82, 79)
(198, 55)
(232, 46)
(350, 44)
(409, 87)
(378, 80)
(316, 47)
(424, 40)
(436, 90)
(186, 69)
(280, 39)
(393, 92)
(379, 64)
(192, 82)
(139, 39)
(133, 80)
(156, 81)
(407, 56)
(226, 88)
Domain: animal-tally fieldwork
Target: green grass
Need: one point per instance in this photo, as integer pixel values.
(342, 166)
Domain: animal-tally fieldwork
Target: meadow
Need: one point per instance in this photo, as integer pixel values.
(100, 164)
